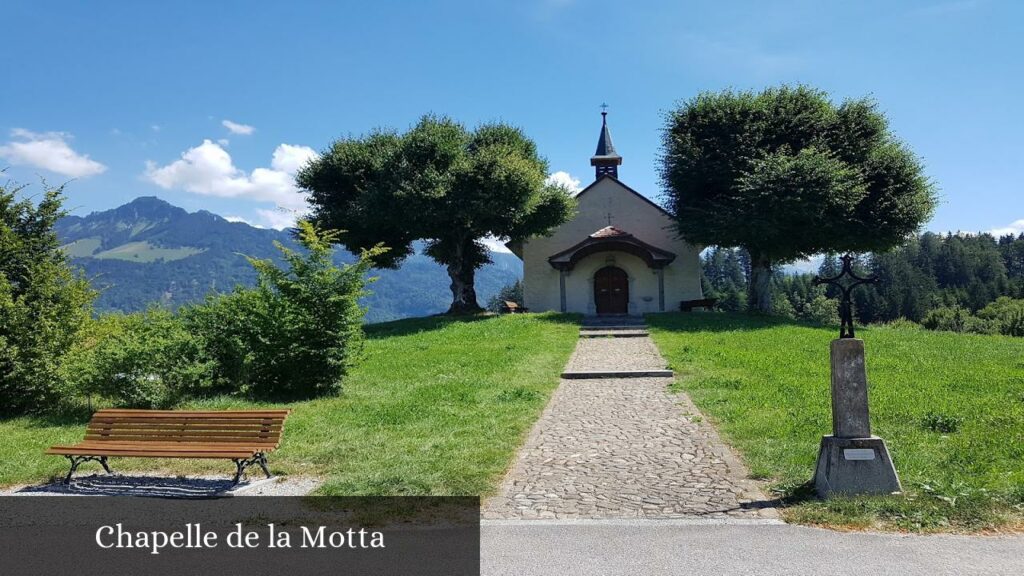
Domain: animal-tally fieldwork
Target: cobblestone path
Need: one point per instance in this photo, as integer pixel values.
(624, 448)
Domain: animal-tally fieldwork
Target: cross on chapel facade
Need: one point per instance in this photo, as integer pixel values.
(618, 255)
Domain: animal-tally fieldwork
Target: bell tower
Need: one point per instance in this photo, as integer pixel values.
(605, 160)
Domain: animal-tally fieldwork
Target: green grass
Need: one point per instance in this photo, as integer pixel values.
(146, 252)
(950, 407)
(438, 406)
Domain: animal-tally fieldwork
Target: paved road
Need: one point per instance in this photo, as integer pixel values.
(654, 547)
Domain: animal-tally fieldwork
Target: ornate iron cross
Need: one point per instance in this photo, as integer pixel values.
(845, 306)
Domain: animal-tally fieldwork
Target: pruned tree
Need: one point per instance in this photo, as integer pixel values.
(439, 183)
(787, 174)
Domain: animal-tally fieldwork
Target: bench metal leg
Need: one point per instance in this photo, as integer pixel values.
(241, 464)
(77, 460)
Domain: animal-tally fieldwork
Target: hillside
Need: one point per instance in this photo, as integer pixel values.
(151, 251)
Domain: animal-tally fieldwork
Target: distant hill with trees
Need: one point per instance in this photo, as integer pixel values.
(928, 273)
(149, 251)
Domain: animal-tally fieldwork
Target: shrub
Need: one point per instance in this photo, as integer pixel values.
(822, 310)
(297, 333)
(43, 302)
(1006, 316)
(950, 318)
(902, 323)
(142, 360)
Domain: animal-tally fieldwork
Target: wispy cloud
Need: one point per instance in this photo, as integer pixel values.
(236, 128)
(1015, 228)
(49, 151)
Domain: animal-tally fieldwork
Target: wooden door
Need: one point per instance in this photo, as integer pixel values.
(611, 290)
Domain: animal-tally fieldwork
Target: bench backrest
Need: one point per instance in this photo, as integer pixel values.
(261, 428)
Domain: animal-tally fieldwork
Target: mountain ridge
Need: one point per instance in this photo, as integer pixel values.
(150, 251)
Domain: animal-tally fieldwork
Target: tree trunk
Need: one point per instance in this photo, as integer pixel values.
(463, 290)
(759, 296)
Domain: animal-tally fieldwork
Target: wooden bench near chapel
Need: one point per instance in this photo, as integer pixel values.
(243, 436)
(707, 304)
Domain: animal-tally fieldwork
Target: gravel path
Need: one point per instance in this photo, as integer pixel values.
(615, 354)
(624, 448)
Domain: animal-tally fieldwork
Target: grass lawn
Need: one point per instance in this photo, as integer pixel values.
(438, 406)
(950, 407)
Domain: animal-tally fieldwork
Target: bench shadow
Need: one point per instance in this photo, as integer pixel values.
(142, 486)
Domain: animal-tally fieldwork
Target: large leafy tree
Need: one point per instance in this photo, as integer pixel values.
(439, 183)
(786, 174)
(43, 302)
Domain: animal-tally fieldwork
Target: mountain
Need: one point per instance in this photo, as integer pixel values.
(149, 251)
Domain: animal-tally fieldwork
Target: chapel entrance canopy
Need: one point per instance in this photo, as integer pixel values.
(611, 239)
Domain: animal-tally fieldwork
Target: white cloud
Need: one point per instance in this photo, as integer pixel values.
(236, 128)
(289, 158)
(155, 127)
(209, 170)
(565, 180)
(223, 142)
(1016, 228)
(49, 151)
(279, 219)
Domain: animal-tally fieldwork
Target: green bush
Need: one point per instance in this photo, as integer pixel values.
(297, 333)
(1006, 316)
(43, 303)
(902, 324)
(948, 318)
(822, 310)
(142, 360)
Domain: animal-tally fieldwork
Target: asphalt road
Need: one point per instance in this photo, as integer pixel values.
(622, 548)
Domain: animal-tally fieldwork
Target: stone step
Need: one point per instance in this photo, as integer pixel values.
(600, 333)
(592, 374)
(609, 327)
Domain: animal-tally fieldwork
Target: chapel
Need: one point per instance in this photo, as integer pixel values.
(619, 254)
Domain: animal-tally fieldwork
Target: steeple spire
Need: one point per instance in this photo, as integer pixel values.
(605, 160)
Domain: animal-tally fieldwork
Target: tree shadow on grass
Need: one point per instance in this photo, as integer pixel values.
(76, 414)
(416, 325)
(408, 326)
(722, 322)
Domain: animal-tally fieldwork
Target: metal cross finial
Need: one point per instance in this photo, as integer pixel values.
(604, 107)
(845, 307)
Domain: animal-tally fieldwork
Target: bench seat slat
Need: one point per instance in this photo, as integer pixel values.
(226, 414)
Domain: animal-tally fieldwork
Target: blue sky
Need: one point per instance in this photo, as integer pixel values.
(212, 105)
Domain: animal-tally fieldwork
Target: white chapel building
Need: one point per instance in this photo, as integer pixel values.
(618, 255)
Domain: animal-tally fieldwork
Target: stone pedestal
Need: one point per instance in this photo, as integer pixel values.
(851, 460)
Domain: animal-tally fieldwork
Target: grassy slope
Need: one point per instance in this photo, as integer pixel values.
(438, 406)
(766, 383)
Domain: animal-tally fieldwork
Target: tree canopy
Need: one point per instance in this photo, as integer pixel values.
(439, 183)
(785, 174)
(43, 302)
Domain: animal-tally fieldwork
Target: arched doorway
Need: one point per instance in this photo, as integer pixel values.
(611, 290)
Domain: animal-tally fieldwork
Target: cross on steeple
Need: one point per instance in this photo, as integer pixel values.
(609, 218)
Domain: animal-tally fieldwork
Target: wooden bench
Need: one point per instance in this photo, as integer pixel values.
(689, 305)
(242, 436)
(509, 307)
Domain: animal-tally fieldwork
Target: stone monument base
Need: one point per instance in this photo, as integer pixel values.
(849, 466)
